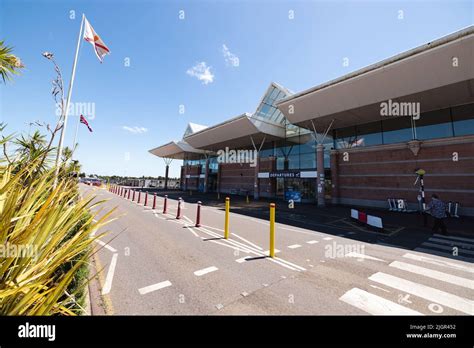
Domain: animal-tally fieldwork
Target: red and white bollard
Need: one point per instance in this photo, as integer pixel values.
(178, 213)
(146, 198)
(139, 196)
(128, 195)
(154, 201)
(198, 215)
(133, 197)
(165, 204)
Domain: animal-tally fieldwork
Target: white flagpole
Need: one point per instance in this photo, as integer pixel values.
(69, 93)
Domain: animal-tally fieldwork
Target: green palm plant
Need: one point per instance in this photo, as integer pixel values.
(9, 63)
(52, 228)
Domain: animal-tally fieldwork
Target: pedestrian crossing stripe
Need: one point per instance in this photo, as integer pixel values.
(433, 295)
(374, 304)
(430, 273)
(439, 262)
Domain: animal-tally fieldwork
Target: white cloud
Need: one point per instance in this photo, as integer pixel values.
(202, 72)
(135, 130)
(230, 58)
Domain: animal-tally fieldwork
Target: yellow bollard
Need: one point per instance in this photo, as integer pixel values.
(226, 225)
(272, 230)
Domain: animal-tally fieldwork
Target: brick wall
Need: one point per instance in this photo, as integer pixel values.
(373, 174)
(236, 178)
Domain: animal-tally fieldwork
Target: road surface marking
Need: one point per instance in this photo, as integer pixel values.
(247, 241)
(378, 287)
(189, 220)
(434, 295)
(110, 275)
(452, 242)
(363, 256)
(192, 231)
(374, 304)
(291, 264)
(445, 277)
(327, 238)
(242, 259)
(159, 217)
(230, 246)
(205, 271)
(445, 247)
(281, 262)
(268, 251)
(469, 240)
(439, 262)
(105, 245)
(219, 306)
(294, 246)
(154, 287)
(445, 254)
(312, 242)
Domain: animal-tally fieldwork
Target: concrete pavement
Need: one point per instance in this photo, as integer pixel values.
(156, 264)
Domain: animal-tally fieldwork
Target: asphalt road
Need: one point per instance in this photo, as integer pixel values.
(155, 264)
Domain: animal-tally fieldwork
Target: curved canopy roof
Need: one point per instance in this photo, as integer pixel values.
(236, 133)
(266, 122)
(177, 150)
(437, 75)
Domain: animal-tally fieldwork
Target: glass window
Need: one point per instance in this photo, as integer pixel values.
(435, 124)
(369, 134)
(397, 130)
(294, 161)
(345, 137)
(308, 160)
(463, 117)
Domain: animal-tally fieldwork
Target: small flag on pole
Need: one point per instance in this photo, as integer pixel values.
(84, 121)
(91, 36)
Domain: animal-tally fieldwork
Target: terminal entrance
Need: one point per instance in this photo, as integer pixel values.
(298, 189)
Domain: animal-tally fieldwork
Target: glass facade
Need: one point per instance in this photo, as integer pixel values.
(456, 121)
(267, 108)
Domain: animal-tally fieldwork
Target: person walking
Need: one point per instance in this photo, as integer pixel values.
(437, 209)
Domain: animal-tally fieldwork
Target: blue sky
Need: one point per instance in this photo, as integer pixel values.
(146, 96)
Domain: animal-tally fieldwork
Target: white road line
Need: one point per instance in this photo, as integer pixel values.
(159, 217)
(205, 271)
(192, 231)
(452, 242)
(281, 262)
(327, 238)
(242, 259)
(312, 242)
(289, 263)
(363, 256)
(445, 247)
(444, 254)
(437, 262)
(189, 220)
(445, 277)
(154, 287)
(230, 246)
(378, 287)
(247, 241)
(268, 251)
(110, 275)
(434, 295)
(294, 246)
(470, 240)
(374, 304)
(105, 245)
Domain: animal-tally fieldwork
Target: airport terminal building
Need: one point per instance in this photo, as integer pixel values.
(356, 140)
